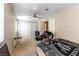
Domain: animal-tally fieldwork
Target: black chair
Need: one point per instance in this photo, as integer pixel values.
(37, 33)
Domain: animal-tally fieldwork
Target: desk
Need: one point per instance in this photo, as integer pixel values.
(17, 39)
(28, 47)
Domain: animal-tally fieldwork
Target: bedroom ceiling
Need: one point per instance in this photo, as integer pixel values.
(45, 10)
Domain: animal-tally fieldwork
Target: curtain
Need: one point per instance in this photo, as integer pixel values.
(26, 29)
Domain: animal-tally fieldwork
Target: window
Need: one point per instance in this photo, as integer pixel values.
(24, 28)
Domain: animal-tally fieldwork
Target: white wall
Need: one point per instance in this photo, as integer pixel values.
(67, 24)
(41, 26)
(9, 26)
(51, 25)
(1, 22)
(34, 27)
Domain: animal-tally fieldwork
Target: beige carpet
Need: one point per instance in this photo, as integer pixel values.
(28, 48)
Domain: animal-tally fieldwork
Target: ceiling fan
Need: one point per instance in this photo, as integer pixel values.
(35, 16)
